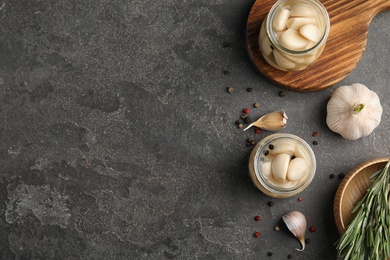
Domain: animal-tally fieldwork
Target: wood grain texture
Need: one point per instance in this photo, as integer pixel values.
(352, 189)
(349, 23)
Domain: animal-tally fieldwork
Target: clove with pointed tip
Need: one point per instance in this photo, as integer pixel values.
(274, 121)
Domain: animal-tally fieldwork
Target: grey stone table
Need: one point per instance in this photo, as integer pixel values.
(118, 138)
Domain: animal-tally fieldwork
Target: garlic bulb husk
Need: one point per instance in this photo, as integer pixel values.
(296, 223)
(353, 111)
(274, 121)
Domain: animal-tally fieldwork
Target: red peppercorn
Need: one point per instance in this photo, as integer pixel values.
(246, 111)
(314, 134)
(299, 199)
(312, 229)
(257, 218)
(257, 131)
(257, 234)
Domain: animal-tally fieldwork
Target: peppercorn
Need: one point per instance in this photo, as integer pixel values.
(249, 140)
(315, 142)
(257, 131)
(246, 110)
(299, 199)
(256, 105)
(240, 125)
(289, 256)
(271, 146)
(257, 234)
(229, 90)
(243, 117)
(314, 134)
(341, 176)
(226, 72)
(307, 240)
(271, 203)
(226, 44)
(277, 228)
(253, 143)
(257, 218)
(249, 89)
(266, 152)
(331, 176)
(270, 253)
(282, 93)
(237, 122)
(312, 229)
(247, 120)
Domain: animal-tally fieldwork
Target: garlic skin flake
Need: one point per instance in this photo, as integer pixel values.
(353, 111)
(296, 223)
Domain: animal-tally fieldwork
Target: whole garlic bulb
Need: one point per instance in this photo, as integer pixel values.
(354, 111)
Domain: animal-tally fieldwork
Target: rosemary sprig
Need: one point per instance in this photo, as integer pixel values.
(367, 237)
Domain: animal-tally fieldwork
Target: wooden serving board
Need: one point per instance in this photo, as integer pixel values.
(349, 23)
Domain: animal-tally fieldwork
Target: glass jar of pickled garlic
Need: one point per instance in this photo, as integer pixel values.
(282, 165)
(294, 33)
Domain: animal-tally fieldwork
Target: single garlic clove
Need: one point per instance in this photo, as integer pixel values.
(283, 61)
(283, 147)
(310, 32)
(266, 46)
(303, 10)
(297, 22)
(296, 223)
(279, 167)
(272, 122)
(292, 40)
(266, 169)
(297, 169)
(280, 20)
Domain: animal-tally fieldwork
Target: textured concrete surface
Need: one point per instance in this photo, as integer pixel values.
(118, 138)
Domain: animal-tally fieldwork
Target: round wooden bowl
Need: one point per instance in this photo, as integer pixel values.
(352, 189)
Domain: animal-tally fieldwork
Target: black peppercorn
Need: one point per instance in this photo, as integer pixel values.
(271, 203)
(270, 253)
(249, 89)
(331, 176)
(266, 152)
(271, 146)
(282, 93)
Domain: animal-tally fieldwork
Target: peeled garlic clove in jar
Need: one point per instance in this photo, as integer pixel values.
(310, 32)
(297, 22)
(266, 169)
(266, 46)
(296, 223)
(280, 20)
(287, 148)
(302, 10)
(291, 39)
(283, 61)
(280, 166)
(297, 169)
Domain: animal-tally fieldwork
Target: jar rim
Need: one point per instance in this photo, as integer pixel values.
(276, 42)
(257, 160)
